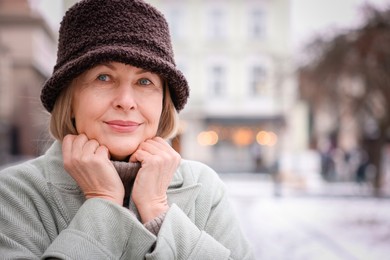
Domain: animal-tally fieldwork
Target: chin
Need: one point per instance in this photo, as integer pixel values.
(120, 150)
(120, 155)
(115, 157)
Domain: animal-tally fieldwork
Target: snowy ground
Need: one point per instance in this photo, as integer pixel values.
(295, 226)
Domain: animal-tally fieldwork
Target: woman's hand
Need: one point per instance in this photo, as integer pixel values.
(89, 164)
(159, 162)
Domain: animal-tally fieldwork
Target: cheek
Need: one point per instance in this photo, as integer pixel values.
(151, 105)
(156, 113)
(84, 117)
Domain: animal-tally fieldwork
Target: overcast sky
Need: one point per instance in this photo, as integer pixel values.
(308, 17)
(52, 9)
(313, 17)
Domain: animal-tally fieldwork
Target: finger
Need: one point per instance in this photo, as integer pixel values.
(139, 156)
(163, 144)
(166, 150)
(90, 147)
(102, 151)
(155, 146)
(67, 143)
(78, 144)
(150, 147)
(160, 142)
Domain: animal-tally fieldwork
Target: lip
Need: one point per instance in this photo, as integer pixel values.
(123, 126)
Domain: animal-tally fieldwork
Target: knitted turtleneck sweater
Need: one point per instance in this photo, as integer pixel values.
(127, 172)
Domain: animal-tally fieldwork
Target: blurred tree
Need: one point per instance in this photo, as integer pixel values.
(351, 72)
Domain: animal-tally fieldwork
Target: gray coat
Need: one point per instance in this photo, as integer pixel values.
(43, 214)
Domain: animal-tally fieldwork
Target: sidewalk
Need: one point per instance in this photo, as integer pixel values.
(337, 224)
(314, 187)
(336, 189)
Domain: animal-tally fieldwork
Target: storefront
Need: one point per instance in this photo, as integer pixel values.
(242, 144)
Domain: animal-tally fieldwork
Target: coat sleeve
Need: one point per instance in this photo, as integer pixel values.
(102, 230)
(99, 230)
(215, 235)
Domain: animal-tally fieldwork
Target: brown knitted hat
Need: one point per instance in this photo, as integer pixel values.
(127, 31)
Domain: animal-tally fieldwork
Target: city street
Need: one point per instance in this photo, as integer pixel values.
(309, 226)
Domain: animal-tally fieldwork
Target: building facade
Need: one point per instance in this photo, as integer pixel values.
(27, 50)
(236, 56)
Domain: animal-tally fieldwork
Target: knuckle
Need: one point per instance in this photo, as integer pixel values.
(67, 138)
(82, 138)
(101, 148)
(93, 141)
(84, 159)
(142, 145)
(158, 160)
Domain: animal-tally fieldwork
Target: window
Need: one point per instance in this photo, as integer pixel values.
(175, 17)
(218, 81)
(257, 24)
(257, 81)
(216, 25)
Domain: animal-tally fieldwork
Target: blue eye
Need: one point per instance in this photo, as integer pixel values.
(103, 77)
(144, 81)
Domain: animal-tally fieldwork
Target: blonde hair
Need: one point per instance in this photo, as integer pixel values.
(62, 124)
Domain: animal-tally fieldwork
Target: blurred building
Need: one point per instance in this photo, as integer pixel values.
(27, 51)
(68, 3)
(242, 113)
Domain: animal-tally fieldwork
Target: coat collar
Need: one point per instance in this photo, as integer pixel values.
(182, 191)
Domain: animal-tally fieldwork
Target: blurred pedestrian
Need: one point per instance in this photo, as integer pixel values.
(256, 153)
(110, 186)
(277, 178)
(362, 168)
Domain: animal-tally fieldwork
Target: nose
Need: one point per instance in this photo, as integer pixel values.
(125, 98)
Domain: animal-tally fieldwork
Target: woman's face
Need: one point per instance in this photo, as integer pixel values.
(118, 105)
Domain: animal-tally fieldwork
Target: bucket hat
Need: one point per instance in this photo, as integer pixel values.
(128, 31)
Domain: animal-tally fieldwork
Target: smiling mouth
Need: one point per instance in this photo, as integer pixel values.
(123, 126)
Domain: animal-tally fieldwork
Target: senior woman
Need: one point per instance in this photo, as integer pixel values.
(110, 186)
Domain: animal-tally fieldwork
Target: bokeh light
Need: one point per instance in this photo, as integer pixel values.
(243, 137)
(266, 138)
(207, 138)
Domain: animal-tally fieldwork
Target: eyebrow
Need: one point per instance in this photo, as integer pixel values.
(141, 71)
(109, 65)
